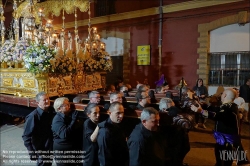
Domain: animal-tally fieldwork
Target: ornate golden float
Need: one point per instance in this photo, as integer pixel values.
(19, 82)
(42, 60)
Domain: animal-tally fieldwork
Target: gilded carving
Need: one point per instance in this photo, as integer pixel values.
(23, 83)
(29, 83)
(103, 81)
(89, 81)
(7, 81)
(79, 78)
(17, 85)
(41, 75)
(4, 65)
(67, 80)
(60, 80)
(52, 82)
(60, 90)
(16, 75)
(79, 82)
(96, 81)
(43, 86)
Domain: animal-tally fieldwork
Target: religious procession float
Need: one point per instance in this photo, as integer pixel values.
(34, 57)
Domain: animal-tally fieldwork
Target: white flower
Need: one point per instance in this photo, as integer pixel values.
(40, 65)
(27, 65)
(42, 56)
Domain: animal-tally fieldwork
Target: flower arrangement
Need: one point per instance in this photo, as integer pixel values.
(63, 63)
(101, 62)
(20, 50)
(6, 51)
(37, 58)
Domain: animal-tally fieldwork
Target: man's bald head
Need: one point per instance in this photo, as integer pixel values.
(228, 95)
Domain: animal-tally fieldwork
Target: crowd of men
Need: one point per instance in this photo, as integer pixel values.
(114, 140)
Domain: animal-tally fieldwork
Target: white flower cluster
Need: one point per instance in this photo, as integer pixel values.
(20, 50)
(37, 58)
(6, 51)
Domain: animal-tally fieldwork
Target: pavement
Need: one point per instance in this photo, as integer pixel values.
(202, 145)
(202, 142)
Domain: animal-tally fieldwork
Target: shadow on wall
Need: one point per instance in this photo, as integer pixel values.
(178, 73)
(136, 74)
(167, 60)
(142, 72)
(154, 74)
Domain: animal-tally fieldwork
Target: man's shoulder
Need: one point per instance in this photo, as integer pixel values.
(102, 124)
(32, 114)
(137, 134)
(137, 131)
(106, 126)
(103, 130)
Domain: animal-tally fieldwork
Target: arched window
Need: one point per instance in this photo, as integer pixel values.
(229, 57)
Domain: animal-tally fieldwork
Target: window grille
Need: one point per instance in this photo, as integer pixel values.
(229, 68)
